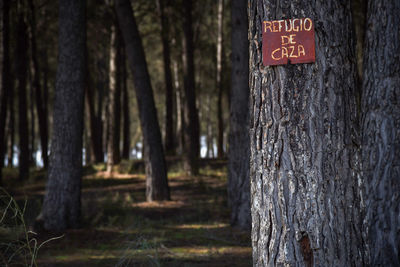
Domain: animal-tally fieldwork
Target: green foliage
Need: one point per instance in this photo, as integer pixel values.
(18, 246)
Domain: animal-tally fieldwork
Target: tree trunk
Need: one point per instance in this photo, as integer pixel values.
(42, 116)
(381, 132)
(156, 172)
(179, 109)
(95, 124)
(239, 142)
(126, 132)
(304, 192)
(114, 102)
(220, 18)
(61, 207)
(169, 92)
(191, 130)
(10, 125)
(21, 63)
(32, 117)
(5, 74)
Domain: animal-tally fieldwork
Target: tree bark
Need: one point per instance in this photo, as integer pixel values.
(61, 207)
(381, 132)
(220, 18)
(156, 172)
(114, 101)
(21, 63)
(169, 92)
(5, 80)
(239, 142)
(42, 116)
(192, 127)
(126, 137)
(303, 136)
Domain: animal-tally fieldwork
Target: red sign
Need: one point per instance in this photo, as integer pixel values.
(288, 41)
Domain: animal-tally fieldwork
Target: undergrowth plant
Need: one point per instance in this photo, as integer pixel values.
(18, 245)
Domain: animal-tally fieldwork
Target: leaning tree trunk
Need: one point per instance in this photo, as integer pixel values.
(304, 192)
(381, 132)
(156, 172)
(239, 142)
(21, 63)
(191, 130)
(61, 207)
(114, 101)
(5, 77)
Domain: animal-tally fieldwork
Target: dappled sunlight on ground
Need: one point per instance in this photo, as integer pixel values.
(120, 227)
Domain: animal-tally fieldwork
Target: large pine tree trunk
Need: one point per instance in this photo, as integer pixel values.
(239, 142)
(114, 101)
(169, 92)
(5, 76)
(61, 207)
(156, 172)
(192, 127)
(304, 192)
(21, 63)
(42, 118)
(381, 132)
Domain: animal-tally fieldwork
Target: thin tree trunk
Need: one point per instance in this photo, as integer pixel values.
(5, 77)
(61, 207)
(239, 141)
(191, 130)
(209, 127)
(126, 142)
(42, 116)
(95, 123)
(114, 100)
(179, 109)
(381, 132)
(21, 62)
(169, 92)
(304, 194)
(220, 18)
(10, 125)
(156, 172)
(32, 117)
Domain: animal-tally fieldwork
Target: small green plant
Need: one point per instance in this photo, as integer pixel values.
(18, 246)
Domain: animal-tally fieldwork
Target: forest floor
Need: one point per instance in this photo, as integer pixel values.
(120, 229)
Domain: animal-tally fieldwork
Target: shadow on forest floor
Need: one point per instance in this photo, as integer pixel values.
(120, 229)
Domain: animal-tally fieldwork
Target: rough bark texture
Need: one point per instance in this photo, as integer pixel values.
(156, 181)
(191, 130)
(5, 76)
(114, 102)
(42, 116)
(61, 207)
(381, 132)
(169, 92)
(21, 63)
(239, 142)
(220, 139)
(304, 191)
